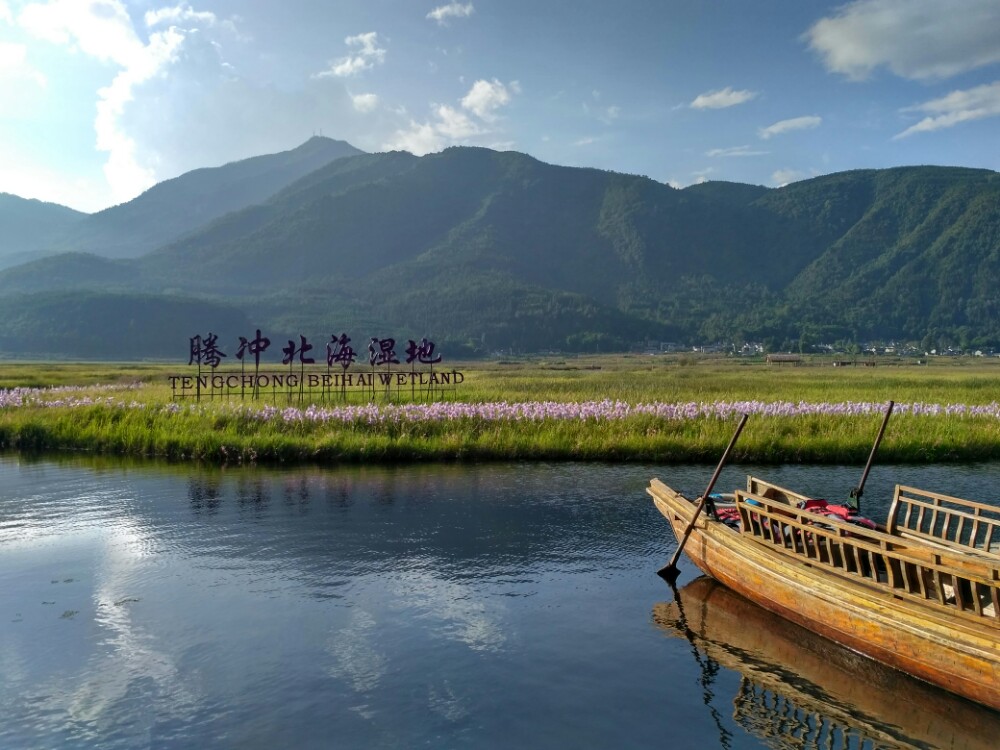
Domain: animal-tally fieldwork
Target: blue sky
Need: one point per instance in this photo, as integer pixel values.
(100, 99)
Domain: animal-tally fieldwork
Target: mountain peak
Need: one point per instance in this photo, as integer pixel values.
(322, 143)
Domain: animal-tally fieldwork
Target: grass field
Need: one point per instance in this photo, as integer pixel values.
(648, 408)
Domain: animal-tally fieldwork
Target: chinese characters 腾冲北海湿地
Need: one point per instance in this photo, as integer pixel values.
(206, 350)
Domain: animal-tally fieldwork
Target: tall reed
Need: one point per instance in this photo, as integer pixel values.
(618, 409)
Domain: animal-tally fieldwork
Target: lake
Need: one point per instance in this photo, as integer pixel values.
(442, 606)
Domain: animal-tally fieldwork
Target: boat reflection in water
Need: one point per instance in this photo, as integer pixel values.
(800, 690)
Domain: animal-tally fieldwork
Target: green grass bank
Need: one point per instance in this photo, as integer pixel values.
(137, 416)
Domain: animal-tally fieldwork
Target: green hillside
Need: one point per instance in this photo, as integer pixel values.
(498, 212)
(30, 226)
(108, 326)
(922, 252)
(177, 206)
(493, 250)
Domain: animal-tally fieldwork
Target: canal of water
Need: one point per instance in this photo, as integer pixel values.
(443, 606)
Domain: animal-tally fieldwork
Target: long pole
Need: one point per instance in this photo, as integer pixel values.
(669, 571)
(859, 490)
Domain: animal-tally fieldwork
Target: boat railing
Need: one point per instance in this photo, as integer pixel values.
(771, 491)
(942, 519)
(967, 585)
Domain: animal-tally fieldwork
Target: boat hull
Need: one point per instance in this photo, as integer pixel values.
(960, 657)
(822, 687)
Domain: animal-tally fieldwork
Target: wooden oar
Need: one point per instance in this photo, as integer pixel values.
(859, 490)
(669, 571)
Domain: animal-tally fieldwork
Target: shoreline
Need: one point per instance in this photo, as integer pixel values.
(240, 434)
(602, 409)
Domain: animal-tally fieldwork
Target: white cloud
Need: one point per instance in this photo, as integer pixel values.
(364, 102)
(366, 56)
(585, 141)
(442, 13)
(916, 39)
(734, 151)
(722, 98)
(784, 176)
(450, 125)
(168, 103)
(103, 29)
(5, 14)
(177, 14)
(955, 108)
(14, 64)
(485, 97)
(786, 126)
(418, 139)
(455, 125)
(123, 171)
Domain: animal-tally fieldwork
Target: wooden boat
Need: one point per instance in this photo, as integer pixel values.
(800, 690)
(920, 594)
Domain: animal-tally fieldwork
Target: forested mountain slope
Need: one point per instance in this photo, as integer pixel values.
(492, 250)
(27, 226)
(172, 208)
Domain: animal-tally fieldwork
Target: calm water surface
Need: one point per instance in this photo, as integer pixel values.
(144, 605)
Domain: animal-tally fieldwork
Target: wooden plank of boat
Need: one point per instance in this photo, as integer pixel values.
(803, 685)
(830, 583)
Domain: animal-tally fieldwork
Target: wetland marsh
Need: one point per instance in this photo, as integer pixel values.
(625, 408)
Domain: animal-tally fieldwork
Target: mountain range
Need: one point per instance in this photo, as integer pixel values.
(483, 250)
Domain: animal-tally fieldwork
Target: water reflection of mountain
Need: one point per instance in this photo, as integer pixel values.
(799, 690)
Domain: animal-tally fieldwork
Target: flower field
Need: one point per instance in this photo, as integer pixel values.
(521, 411)
(138, 418)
